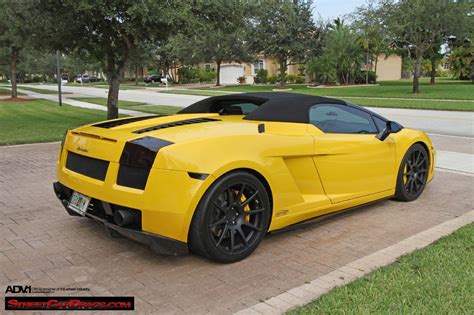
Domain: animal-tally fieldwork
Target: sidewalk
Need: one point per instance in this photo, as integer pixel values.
(64, 251)
(82, 104)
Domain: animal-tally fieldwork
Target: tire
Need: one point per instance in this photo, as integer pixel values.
(231, 219)
(412, 173)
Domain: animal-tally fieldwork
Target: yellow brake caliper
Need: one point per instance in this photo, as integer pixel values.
(404, 174)
(247, 207)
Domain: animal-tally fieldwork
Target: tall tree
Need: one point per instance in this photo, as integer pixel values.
(416, 26)
(461, 61)
(110, 31)
(284, 30)
(15, 33)
(177, 51)
(434, 56)
(368, 23)
(341, 45)
(220, 32)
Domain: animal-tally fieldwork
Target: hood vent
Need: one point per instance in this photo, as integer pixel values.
(119, 122)
(176, 124)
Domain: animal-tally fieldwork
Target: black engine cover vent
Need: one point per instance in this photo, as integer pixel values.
(120, 122)
(176, 124)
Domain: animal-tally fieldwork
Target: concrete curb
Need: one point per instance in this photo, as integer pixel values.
(28, 144)
(308, 292)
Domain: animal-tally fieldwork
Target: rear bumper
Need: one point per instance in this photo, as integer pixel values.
(159, 244)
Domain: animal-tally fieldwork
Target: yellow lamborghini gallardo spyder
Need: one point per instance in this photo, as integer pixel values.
(217, 176)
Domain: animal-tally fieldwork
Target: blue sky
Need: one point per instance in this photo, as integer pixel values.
(331, 9)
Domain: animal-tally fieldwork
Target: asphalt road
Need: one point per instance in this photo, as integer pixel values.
(431, 121)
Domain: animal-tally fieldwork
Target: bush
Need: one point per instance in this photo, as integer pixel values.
(37, 79)
(195, 75)
(262, 76)
(300, 79)
(294, 78)
(207, 75)
(443, 73)
(272, 79)
(322, 69)
(360, 77)
(291, 78)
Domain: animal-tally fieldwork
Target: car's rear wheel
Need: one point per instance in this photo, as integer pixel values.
(413, 173)
(231, 219)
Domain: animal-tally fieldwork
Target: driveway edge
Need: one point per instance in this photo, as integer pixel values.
(308, 292)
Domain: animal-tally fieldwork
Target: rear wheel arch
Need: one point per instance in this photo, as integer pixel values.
(259, 176)
(201, 233)
(264, 182)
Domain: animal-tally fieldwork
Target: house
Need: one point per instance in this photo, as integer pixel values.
(387, 68)
(230, 72)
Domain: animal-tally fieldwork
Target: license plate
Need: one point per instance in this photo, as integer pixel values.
(79, 203)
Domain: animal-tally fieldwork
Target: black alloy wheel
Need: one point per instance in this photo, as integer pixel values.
(232, 218)
(413, 173)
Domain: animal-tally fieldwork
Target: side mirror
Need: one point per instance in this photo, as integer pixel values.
(382, 135)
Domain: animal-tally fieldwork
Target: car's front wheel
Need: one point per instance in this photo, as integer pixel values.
(231, 219)
(413, 173)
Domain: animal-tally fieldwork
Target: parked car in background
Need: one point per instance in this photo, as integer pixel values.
(82, 78)
(85, 78)
(153, 78)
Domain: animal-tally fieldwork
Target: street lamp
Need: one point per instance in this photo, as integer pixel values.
(58, 75)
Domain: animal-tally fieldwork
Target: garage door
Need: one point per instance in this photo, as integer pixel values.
(230, 73)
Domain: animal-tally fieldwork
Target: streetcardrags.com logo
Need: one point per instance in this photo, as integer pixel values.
(61, 303)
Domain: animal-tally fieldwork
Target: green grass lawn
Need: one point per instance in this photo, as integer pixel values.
(413, 104)
(438, 279)
(157, 109)
(41, 120)
(40, 90)
(122, 86)
(138, 106)
(103, 101)
(207, 92)
(4, 91)
(443, 89)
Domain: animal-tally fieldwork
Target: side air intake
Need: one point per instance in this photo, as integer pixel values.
(120, 122)
(176, 124)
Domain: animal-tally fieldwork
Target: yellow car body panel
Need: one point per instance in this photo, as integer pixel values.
(309, 173)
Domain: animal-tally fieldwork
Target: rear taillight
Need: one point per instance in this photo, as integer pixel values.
(137, 159)
(63, 141)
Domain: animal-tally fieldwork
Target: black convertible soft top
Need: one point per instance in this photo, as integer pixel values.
(273, 106)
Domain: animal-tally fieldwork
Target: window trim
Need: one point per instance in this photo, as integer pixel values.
(254, 69)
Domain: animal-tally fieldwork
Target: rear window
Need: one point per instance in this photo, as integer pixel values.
(238, 109)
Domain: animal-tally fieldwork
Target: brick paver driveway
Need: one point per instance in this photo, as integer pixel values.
(41, 245)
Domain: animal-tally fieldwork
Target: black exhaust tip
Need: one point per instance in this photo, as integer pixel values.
(59, 190)
(124, 217)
